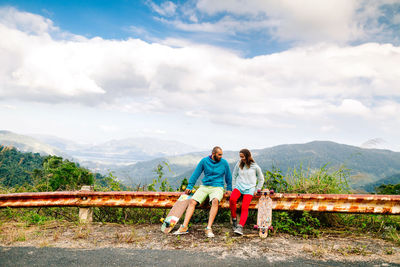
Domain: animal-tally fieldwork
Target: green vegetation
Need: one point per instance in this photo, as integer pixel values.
(54, 173)
(16, 167)
(366, 165)
(61, 175)
(327, 181)
(380, 186)
(21, 172)
(318, 181)
(161, 180)
(312, 181)
(389, 189)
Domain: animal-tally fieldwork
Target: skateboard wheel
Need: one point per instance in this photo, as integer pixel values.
(162, 220)
(172, 224)
(271, 191)
(255, 227)
(183, 187)
(193, 190)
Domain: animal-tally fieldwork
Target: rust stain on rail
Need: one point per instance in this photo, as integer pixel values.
(377, 204)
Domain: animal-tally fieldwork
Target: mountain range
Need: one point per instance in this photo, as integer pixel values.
(26, 143)
(366, 166)
(134, 160)
(103, 156)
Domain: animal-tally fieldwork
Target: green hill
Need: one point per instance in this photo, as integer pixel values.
(392, 179)
(33, 172)
(16, 167)
(366, 165)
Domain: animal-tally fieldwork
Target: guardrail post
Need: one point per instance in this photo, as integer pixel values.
(86, 214)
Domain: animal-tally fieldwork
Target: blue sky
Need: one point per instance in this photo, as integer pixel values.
(140, 19)
(232, 73)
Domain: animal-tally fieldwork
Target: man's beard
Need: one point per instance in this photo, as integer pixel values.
(215, 159)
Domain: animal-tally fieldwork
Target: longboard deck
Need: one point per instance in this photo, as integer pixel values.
(175, 213)
(264, 215)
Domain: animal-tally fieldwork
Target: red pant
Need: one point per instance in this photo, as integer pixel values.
(245, 205)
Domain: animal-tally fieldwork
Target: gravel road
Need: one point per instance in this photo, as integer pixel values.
(31, 256)
(97, 244)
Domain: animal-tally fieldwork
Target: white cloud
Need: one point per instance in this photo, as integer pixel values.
(109, 128)
(24, 21)
(353, 107)
(11, 107)
(308, 82)
(294, 20)
(396, 19)
(225, 25)
(165, 9)
(137, 30)
(328, 128)
(302, 21)
(150, 132)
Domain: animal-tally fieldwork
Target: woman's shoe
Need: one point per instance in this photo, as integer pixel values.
(234, 224)
(239, 230)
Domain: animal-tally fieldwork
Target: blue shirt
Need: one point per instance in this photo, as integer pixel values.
(214, 173)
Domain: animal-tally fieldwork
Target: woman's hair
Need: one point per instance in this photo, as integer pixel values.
(248, 159)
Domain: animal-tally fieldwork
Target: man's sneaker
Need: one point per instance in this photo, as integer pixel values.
(234, 224)
(182, 230)
(209, 232)
(239, 230)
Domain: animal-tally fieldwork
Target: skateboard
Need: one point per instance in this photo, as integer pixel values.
(176, 212)
(264, 214)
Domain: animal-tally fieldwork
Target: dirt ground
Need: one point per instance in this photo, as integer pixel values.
(329, 246)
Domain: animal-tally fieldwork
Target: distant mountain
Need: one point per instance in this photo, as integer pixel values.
(110, 154)
(59, 143)
(133, 160)
(133, 149)
(28, 144)
(366, 165)
(377, 143)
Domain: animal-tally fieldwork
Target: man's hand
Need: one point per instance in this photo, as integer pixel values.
(187, 191)
(229, 193)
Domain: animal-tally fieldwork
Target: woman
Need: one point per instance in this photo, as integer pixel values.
(247, 178)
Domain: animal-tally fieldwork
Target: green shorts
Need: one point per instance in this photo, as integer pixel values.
(211, 191)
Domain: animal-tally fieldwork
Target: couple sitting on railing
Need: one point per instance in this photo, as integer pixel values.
(247, 178)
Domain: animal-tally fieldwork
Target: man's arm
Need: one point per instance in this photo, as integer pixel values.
(228, 177)
(196, 174)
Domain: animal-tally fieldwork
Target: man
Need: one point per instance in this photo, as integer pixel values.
(215, 169)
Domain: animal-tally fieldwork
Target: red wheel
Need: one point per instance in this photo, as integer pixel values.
(271, 191)
(255, 227)
(271, 228)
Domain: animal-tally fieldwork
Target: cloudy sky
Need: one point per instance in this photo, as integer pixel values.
(233, 73)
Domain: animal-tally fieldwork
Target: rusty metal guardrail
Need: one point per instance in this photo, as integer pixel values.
(351, 203)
